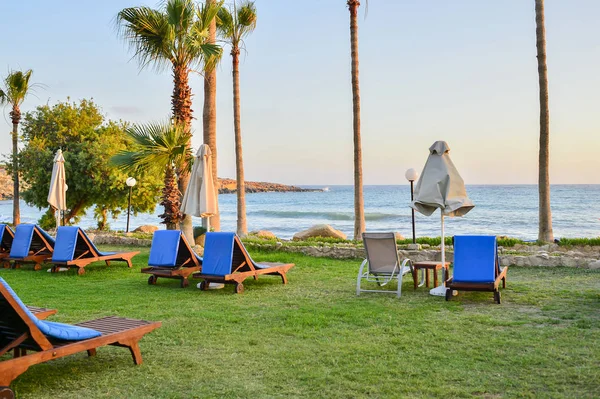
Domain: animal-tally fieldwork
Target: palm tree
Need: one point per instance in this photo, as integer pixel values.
(545, 233)
(159, 148)
(16, 89)
(359, 204)
(209, 115)
(234, 26)
(177, 37)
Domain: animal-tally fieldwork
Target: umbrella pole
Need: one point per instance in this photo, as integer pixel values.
(441, 289)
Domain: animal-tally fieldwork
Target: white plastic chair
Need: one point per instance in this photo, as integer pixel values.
(382, 264)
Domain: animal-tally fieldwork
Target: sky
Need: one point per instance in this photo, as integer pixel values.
(463, 71)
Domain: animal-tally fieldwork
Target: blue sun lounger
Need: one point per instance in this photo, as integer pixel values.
(6, 240)
(226, 261)
(31, 244)
(74, 248)
(37, 341)
(171, 257)
(476, 266)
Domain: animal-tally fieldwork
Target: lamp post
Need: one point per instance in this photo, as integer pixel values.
(130, 183)
(412, 175)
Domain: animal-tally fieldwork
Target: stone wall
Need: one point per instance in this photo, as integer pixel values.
(523, 255)
(548, 256)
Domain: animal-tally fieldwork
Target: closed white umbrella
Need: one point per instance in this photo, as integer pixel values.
(441, 187)
(57, 196)
(200, 198)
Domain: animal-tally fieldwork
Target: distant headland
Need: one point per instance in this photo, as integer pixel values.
(228, 186)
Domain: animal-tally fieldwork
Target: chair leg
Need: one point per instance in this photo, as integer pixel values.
(37, 267)
(283, 278)
(91, 352)
(134, 348)
(504, 282)
(107, 262)
(129, 265)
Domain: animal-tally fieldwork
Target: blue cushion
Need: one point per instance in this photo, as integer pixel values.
(164, 248)
(475, 259)
(2, 227)
(218, 254)
(22, 241)
(52, 329)
(4, 240)
(66, 241)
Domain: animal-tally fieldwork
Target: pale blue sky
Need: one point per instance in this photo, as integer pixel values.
(463, 71)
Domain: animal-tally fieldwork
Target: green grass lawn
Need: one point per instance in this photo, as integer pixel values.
(314, 338)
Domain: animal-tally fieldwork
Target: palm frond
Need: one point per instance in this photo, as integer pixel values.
(237, 23)
(149, 35)
(154, 147)
(16, 87)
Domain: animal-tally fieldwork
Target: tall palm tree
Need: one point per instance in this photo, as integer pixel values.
(176, 36)
(545, 233)
(209, 115)
(159, 148)
(16, 89)
(234, 26)
(359, 203)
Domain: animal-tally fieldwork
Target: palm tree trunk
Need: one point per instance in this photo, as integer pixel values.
(181, 103)
(242, 228)
(359, 206)
(171, 201)
(16, 113)
(545, 214)
(209, 119)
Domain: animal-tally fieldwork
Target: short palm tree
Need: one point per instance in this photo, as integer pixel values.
(175, 37)
(16, 89)
(359, 203)
(545, 233)
(159, 148)
(233, 26)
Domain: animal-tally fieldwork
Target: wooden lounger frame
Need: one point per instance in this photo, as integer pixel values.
(91, 255)
(4, 254)
(183, 269)
(486, 287)
(115, 331)
(243, 268)
(37, 253)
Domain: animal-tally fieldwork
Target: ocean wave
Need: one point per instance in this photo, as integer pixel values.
(375, 216)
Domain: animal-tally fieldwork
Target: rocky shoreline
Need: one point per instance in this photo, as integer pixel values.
(229, 186)
(6, 185)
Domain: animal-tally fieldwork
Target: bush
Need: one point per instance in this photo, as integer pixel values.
(198, 231)
(566, 242)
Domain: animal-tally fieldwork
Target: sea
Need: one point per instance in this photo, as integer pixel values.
(508, 210)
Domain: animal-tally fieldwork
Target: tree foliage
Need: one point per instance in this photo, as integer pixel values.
(88, 141)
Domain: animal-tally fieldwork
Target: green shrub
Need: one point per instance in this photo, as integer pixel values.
(566, 242)
(198, 231)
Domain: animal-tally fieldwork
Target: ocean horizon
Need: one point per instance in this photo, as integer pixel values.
(500, 209)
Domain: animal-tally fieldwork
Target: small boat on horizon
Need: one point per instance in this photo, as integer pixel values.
(325, 188)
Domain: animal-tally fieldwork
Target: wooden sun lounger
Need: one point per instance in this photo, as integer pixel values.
(18, 331)
(84, 251)
(171, 257)
(6, 238)
(242, 266)
(41, 247)
(476, 266)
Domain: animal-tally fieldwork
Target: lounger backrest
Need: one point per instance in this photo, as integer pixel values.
(22, 241)
(66, 241)
(53, 330)
(218, 253)
(381, 251)
(164, 248)
(475, 259)
(6, 238)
